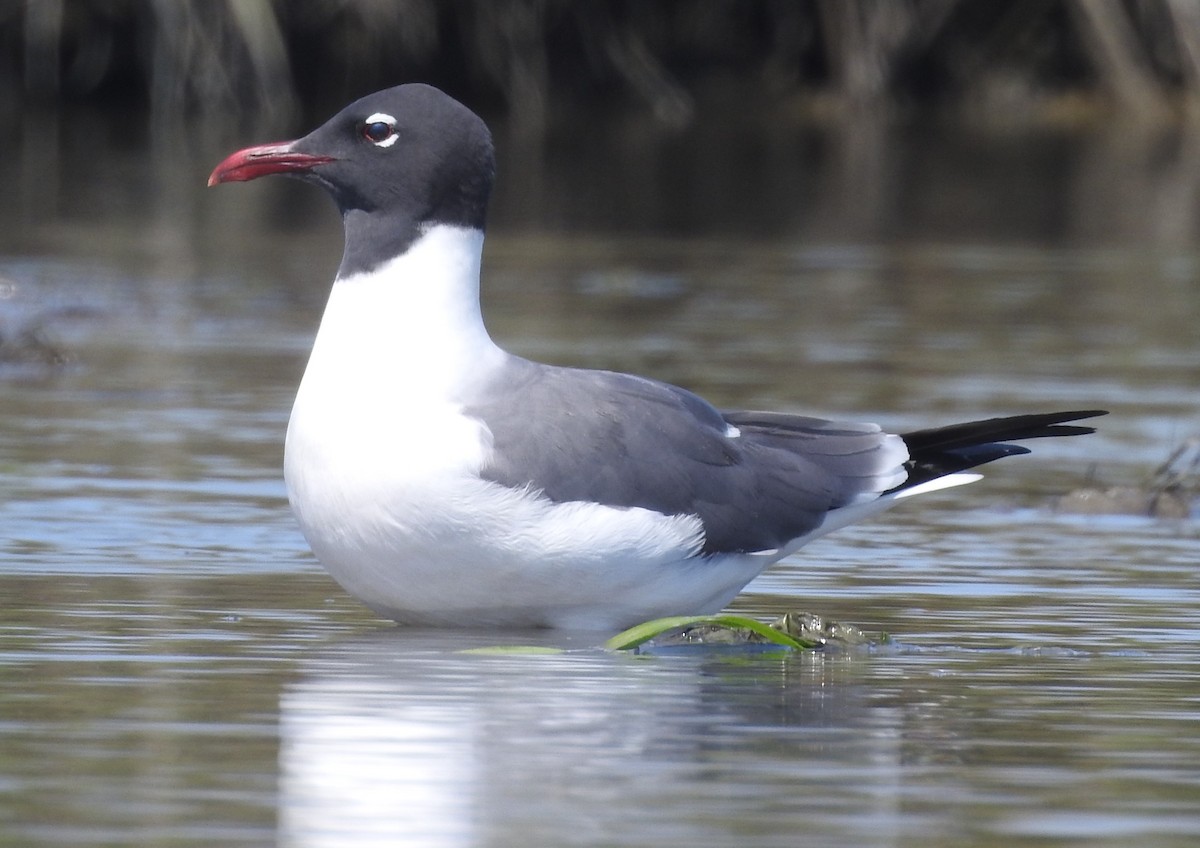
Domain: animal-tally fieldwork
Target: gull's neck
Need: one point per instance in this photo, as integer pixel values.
(412, 324)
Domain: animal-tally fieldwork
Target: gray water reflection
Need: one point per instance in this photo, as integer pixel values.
(397, 743)
(393, 740)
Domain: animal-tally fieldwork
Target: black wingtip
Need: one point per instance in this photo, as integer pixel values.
(1056, 422)
(946, 450)
(1012, 428)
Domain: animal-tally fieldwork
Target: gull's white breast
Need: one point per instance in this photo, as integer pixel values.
(382, 469)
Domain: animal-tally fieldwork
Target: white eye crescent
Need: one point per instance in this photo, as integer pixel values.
(379, 129)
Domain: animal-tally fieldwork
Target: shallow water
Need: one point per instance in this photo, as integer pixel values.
(177, 670)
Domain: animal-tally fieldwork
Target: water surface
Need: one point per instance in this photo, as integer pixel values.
(177, 670)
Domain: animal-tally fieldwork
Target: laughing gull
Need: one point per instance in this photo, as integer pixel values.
(442, 480)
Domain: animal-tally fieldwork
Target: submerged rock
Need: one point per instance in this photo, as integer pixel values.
(811, 627)
(1126, 500)
(805, 627)
(1172, 491)
(29, 345)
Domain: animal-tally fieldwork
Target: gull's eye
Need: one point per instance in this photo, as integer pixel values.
(379, 129)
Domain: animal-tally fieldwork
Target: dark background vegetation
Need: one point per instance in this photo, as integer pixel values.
(1058, 120)
(1138, 59)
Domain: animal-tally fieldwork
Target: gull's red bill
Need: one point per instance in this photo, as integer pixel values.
(263, 159)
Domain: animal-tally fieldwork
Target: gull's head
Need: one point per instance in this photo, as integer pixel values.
(410, 150)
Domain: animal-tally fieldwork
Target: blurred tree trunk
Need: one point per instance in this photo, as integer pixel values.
(1120, 60)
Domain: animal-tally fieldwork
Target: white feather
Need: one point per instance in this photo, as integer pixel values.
(383, 472)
